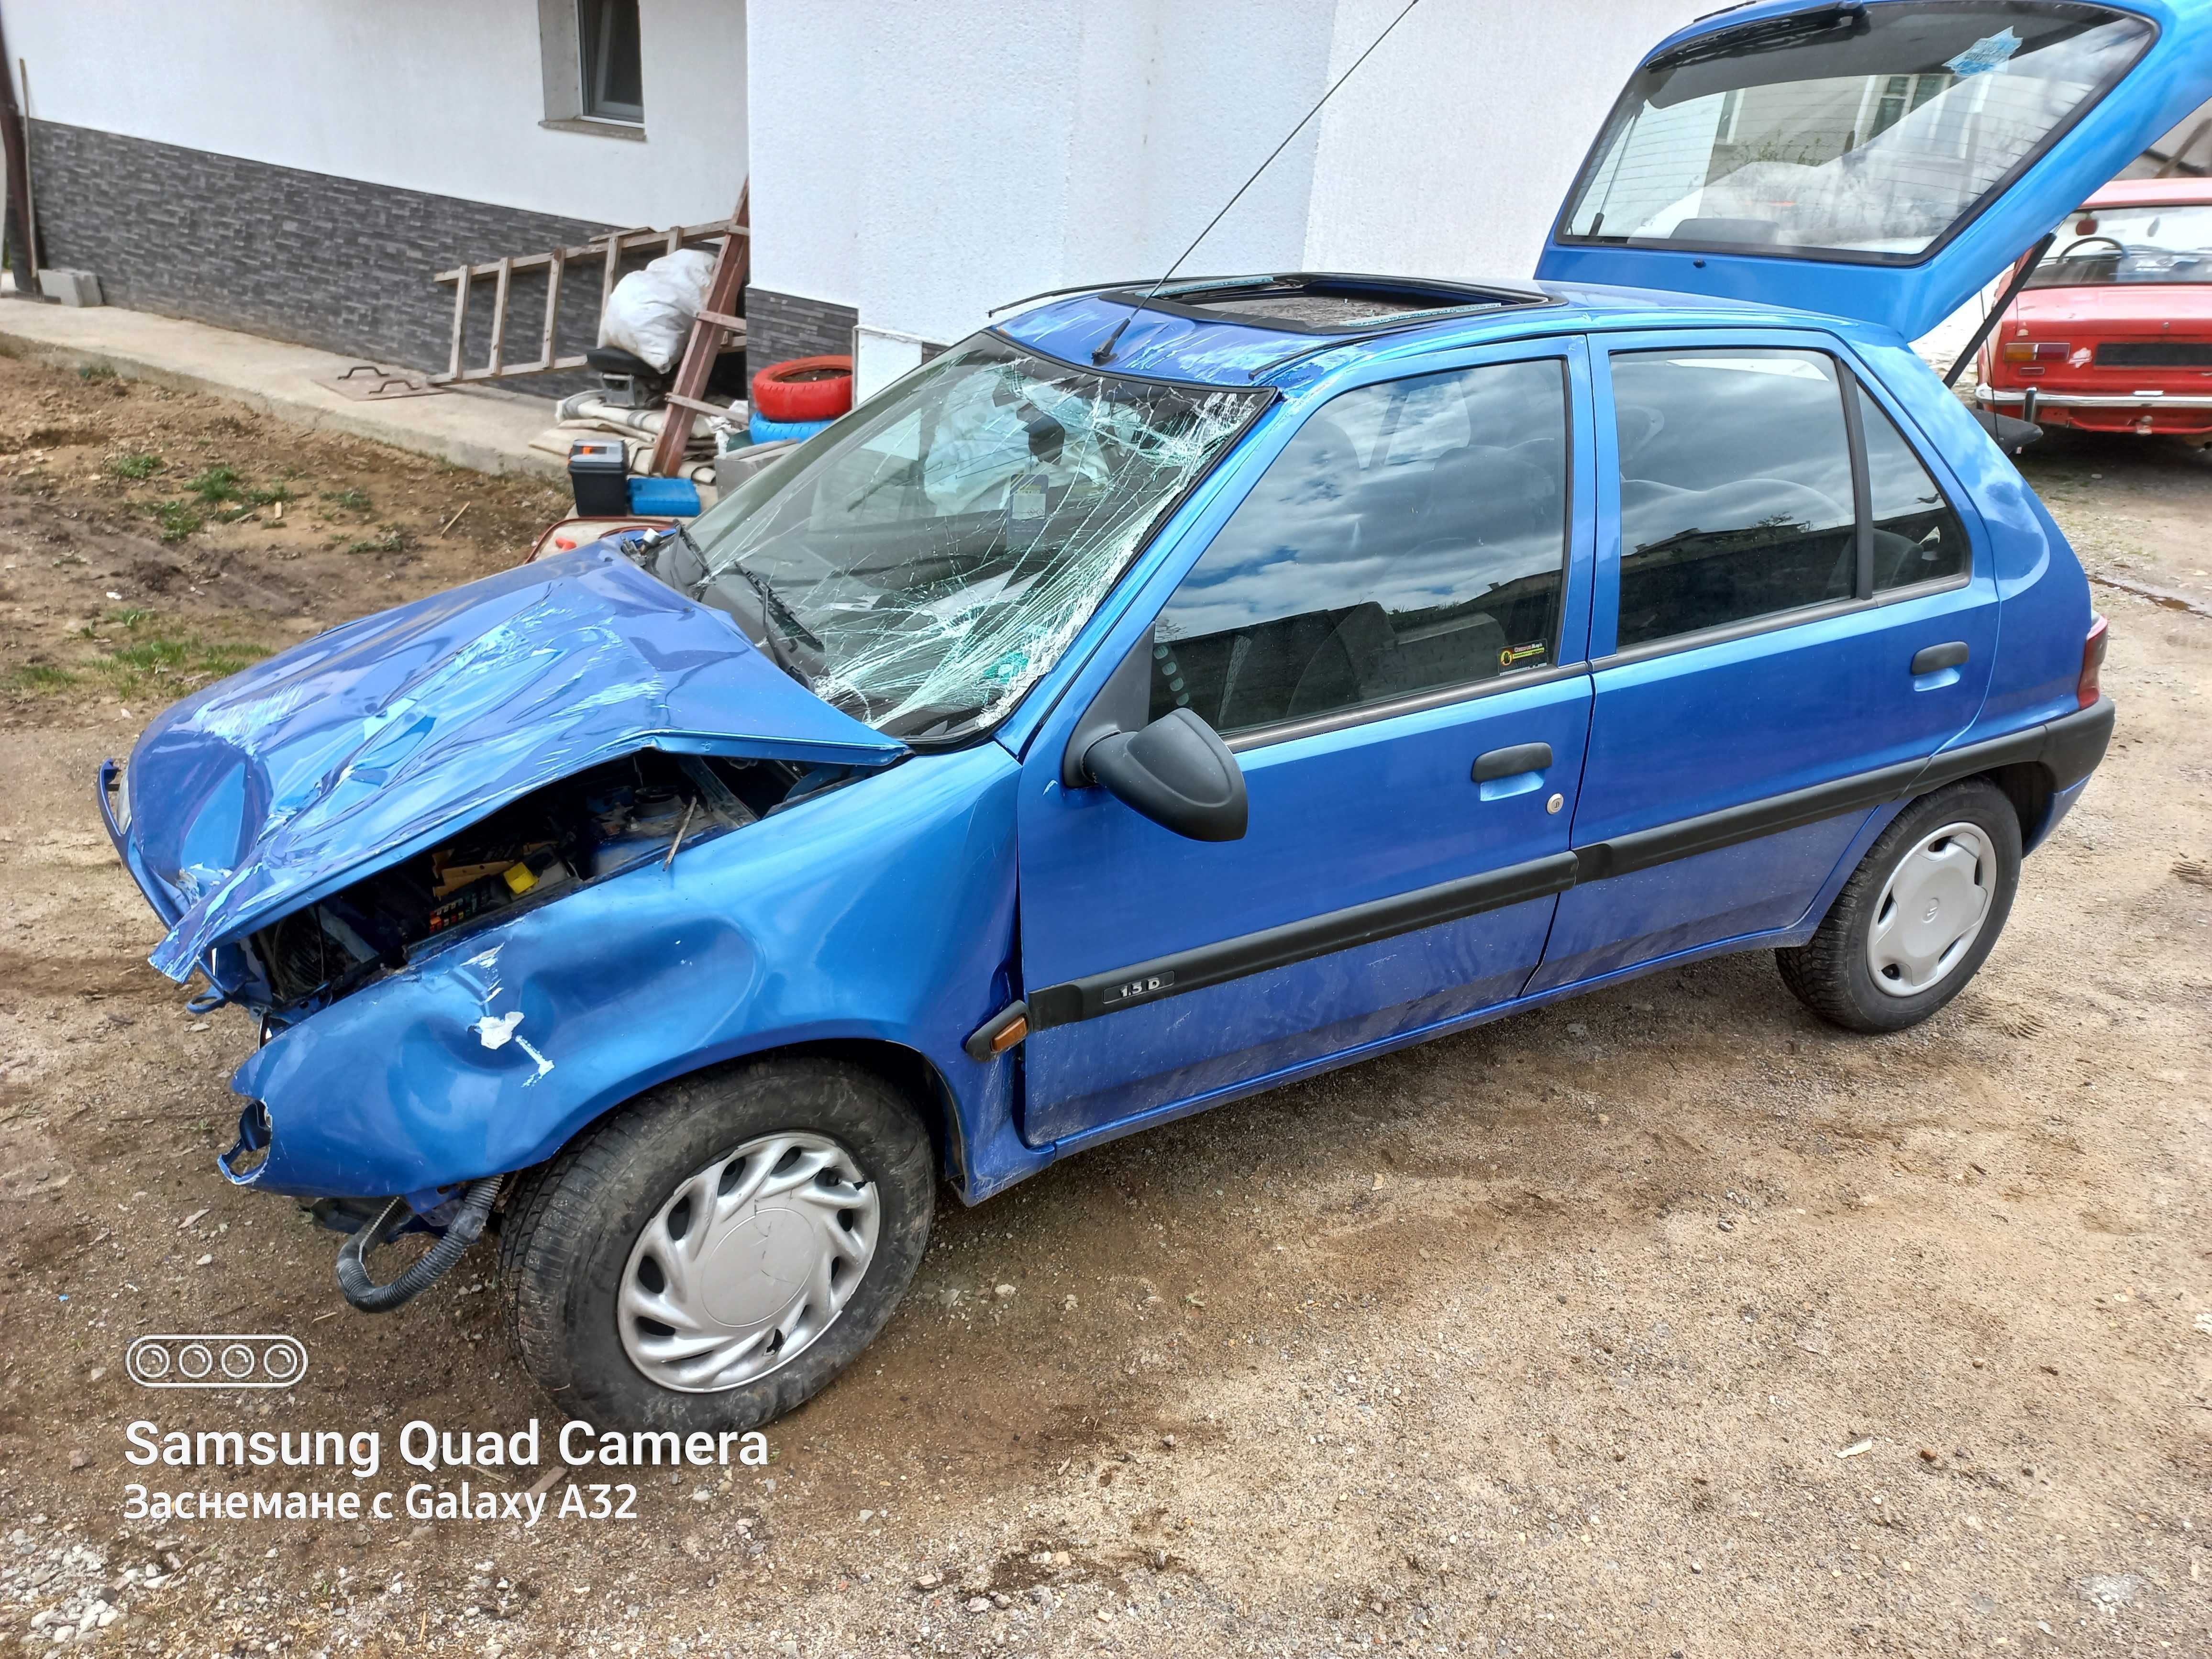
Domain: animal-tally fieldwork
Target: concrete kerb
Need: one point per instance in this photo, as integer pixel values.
(486, 432)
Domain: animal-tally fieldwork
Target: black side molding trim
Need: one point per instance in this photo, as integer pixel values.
(2068, 748)
(1299, 941)
(1710, 831)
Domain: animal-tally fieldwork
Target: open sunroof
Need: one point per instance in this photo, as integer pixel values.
(1327, 302)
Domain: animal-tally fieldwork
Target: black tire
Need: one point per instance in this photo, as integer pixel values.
(1830, 973)
(570, 1229)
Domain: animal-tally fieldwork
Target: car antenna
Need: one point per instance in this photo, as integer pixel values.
(1105, 352)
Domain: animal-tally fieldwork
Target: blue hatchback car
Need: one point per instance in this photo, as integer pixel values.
(1164, 695)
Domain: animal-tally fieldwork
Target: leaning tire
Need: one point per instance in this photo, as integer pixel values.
(711, 1254)
(1918, 916)
(804, 389)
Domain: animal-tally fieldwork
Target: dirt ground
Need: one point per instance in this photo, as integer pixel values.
(1560, 1337)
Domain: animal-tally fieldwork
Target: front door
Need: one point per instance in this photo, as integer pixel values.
(1882, 161)
(1390, 630)
(1790, 617)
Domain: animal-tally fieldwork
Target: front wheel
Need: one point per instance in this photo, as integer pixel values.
(1917, 917)
(710, 1255)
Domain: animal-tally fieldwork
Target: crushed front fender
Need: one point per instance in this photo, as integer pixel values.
(881, 912)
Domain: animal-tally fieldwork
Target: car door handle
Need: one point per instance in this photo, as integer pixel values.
(1937, 658)
(1512, 762)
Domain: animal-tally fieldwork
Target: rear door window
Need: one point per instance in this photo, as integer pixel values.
(1735, 489)
(1411, 537)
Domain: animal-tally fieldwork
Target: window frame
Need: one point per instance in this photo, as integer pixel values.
(1571, 352)
(591, 19)
(1850, 378)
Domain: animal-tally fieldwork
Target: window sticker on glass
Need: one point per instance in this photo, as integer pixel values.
(1991, 52)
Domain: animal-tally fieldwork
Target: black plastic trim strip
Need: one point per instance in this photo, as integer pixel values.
(1299, 941)
(1710, 831)
(1861, 484)
(2068, 748)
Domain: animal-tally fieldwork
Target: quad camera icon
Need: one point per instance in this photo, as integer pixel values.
(216, 1362)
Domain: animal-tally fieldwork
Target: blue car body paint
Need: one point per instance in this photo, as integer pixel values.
(907, 907)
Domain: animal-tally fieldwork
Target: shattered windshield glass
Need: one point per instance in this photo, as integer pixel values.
(922, 562)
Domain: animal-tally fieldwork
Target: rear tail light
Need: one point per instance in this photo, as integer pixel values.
(2087, 689)
(2036, 351)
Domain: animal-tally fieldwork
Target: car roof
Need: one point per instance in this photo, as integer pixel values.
(2151, 192)
(1183, 344)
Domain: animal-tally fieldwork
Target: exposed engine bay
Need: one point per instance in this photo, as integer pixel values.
(644, 807)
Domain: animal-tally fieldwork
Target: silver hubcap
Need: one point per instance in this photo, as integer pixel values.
(750, 1259)
(1931, 910)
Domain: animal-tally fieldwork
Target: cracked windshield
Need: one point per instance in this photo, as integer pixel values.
(922, 564)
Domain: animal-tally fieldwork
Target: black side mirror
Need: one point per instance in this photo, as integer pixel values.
(1178, 773)
(1176, 770)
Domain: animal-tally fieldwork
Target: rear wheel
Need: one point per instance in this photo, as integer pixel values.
(713, 1254)
(1917, 917)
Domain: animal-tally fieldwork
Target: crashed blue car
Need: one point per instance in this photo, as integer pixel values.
(1172, 692)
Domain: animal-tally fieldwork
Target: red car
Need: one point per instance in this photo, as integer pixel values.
(2114, 332)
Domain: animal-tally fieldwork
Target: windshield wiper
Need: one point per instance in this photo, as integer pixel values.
(772, 607)
(770, 604)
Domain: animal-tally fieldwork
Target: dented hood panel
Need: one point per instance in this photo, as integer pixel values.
(369, 742)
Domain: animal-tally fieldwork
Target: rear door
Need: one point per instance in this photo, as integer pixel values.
(1883, 161)
(1791, 615)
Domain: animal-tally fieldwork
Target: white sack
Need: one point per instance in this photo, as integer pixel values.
(650, 312)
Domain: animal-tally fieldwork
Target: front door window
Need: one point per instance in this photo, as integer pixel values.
(1411, 537)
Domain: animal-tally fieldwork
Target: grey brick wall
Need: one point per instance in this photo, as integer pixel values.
(306, 256)
(781, 326)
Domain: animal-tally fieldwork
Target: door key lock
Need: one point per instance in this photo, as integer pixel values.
(1555, 803)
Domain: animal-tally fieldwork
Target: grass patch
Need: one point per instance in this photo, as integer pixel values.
(216, 484)
(185, 654)
(137, 465)
(37, 677)
(93, 373)
(178, 519)
(393, 540)
(160, 655)
(349, 500)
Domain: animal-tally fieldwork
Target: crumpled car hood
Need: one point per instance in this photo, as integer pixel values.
(366, 744)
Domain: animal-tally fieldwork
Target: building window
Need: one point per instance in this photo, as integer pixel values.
(613, 81)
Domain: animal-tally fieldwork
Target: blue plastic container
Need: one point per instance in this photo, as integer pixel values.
(767, 432)
(669, 498)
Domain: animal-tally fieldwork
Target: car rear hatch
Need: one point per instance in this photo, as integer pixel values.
(1881, 160)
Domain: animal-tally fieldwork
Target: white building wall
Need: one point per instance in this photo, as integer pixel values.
(965, 153)
(1449, 153)
(438, 96)
(956, 155)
